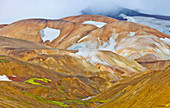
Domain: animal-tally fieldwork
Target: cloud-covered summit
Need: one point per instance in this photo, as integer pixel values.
(13, 10)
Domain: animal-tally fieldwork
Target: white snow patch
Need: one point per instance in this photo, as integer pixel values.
(4, 78)
(49, 34)
(83, 38)
(132, 34)
(98, 24)
(89, 50)
(167, 51)
(159, 24)
(75, 37)
(83, 46)
(128, 18)
(99, 40)
(165, 40)
(14, 76)
(90, 55)
(110, 45)
(87, 98)
(125, 54)
(94, 45)
(115, 35)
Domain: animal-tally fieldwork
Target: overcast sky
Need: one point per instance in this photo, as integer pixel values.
(13, 10)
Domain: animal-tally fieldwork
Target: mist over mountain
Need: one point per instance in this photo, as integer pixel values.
(116, 11)
(13, 10)
(159, 22)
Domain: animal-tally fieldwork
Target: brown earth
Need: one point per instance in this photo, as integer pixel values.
(3, 25)
(149, 89)
(82, 18)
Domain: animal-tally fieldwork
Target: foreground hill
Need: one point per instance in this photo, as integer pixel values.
(149, 89)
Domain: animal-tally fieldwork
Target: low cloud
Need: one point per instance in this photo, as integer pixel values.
(13, 10)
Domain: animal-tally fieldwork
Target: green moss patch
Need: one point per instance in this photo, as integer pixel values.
(47, 101)
(32, 81)
(59, 89)
(78, 102)
(3, 56)
(99, 100)
(58, 103)
(87, 102)
(4, 61)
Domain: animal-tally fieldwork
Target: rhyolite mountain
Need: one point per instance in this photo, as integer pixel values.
(83, 61)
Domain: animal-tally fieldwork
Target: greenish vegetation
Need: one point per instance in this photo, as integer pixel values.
(10, 98)
(32, 81)
(3, 56)
(59, 89)
(47, 101)
(99, 100)
(58, 103)
(79, 102)
(4, 61)
(87, 102)
(23, 63)
(81, 96)
(64, 103)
